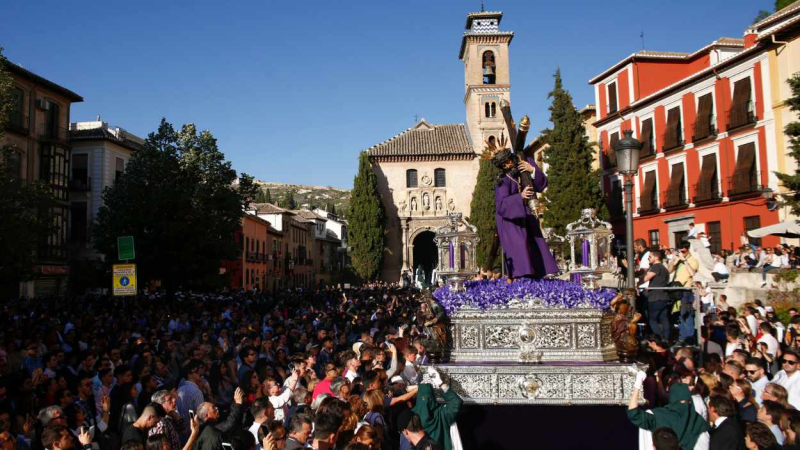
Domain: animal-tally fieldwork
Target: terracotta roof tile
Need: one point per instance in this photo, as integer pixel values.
(426, 139)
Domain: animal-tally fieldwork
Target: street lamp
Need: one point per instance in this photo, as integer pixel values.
(627, 152)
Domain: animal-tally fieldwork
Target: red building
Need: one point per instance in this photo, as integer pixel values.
(709, 141)
(249, 270)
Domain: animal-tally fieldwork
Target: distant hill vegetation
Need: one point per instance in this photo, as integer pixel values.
(304, 196)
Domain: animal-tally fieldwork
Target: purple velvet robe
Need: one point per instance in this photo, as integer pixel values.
(526, 251)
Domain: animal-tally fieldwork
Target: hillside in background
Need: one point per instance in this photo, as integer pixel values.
(308, 196)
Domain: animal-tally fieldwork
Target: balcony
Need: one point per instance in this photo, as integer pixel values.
(740, 187)
(706, 193)
(51, 133)
(18, 124)
(702, 132)
(677, 203)
(741, 117)
(80, 184)
(653, 209)
(673, 141)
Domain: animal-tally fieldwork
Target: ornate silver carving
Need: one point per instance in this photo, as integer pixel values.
(543, 384)
(499, 336)
(470, 337)
(587, 335)
(530, 332)
(530, 386)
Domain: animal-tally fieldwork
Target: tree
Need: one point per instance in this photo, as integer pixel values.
(268, 197)
(177, 199)
(367, 222)
(288, 201)
(333, 208)
(24, 206)
(261, 196)
(572, 185)
(792, 130)
(780, 4)
(482, 213)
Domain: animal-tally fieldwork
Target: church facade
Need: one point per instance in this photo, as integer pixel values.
(430, 170)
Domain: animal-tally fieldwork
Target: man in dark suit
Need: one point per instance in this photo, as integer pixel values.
(726, 434)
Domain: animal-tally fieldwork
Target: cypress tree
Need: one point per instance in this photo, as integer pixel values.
(483, 212)
(288, 200)
(367, 222)
(572, 185)
(268, 197)
(333, 208)
(792, 182)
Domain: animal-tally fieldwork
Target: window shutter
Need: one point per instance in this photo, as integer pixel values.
(647, 132)
(739, 105)
(612, 155)
(744, 176)
(676, 191)
(702, 124)
(647, 193)
(707, 185)
(612, 98)
(673, 122)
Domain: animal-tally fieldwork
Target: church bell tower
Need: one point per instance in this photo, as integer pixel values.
(484, 50)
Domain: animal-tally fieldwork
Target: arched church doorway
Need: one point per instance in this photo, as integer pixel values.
(425, 254)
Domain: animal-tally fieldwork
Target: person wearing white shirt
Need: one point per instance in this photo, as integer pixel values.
(767, 337)
(262, 411)
(352, 363)
(280, 400)
(692, 231)
(732, 336)
(756, 372)
(752, 323)
(720, 271)
(789, 377)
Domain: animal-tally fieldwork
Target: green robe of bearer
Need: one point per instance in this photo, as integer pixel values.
(436, 418)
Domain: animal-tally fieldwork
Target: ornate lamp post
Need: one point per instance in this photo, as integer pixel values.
(627, 152)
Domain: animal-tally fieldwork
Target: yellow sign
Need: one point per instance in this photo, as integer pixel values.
(124, 279)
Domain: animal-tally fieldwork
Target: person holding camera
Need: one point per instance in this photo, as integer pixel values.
(211, 432)
(683, 267)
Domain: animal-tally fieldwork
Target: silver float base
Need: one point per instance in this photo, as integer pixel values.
(553, 383)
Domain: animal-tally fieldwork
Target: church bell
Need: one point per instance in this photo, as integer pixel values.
(488, 70)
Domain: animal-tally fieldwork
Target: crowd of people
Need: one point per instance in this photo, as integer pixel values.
(327, 369)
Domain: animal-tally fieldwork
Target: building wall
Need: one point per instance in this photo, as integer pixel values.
(460, 179)
(28, 141)
(730, 210)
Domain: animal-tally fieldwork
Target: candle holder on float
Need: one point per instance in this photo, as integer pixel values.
(589, 241)
(456, 242)
(557, 245)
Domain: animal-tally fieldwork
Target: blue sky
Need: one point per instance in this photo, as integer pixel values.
(294, 90)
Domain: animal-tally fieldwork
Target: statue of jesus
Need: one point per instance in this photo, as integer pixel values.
(526, 251)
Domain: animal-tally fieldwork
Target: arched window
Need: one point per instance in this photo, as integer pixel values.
(490, 109)
(489, 68)
(439, 178)
(411, 178)
(494, 109)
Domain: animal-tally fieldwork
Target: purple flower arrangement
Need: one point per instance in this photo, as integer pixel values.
(490, 294)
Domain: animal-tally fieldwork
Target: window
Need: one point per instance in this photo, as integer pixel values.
(611, 155)
(489, 68)
(745, 176)
(14, 166)
(53, 246)
(80, 172)
(439, 178)
(673, 136)
(708, 186)
(490, 109)
(54, 170)
(751, 223)
(78, 231)
(52, 130)
(119, 168)
(648, 141)
(704, 124)
(612, 98)
(411, 178)
(714, 234)
(15, 116)
(655, 239)
(676, 193)
(649, 197)
(742, 111)
(616, 198)
(680, 236)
